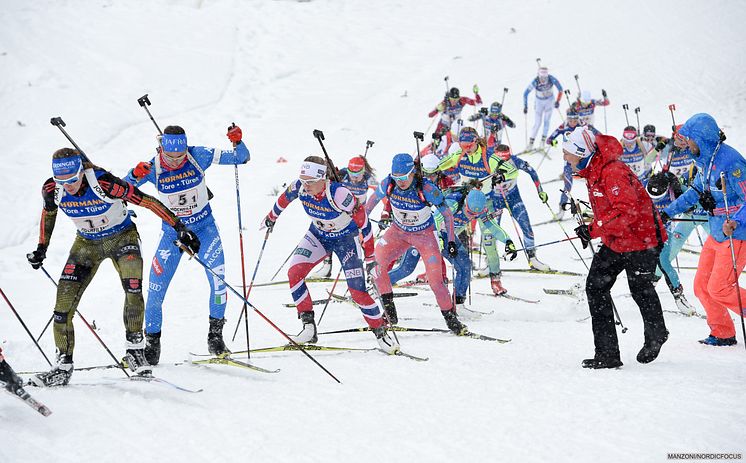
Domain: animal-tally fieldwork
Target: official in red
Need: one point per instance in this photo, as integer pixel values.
(632, 235)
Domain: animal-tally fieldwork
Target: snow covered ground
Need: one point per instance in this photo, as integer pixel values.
(359, 71)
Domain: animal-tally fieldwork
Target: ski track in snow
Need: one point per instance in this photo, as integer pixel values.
(280, 70)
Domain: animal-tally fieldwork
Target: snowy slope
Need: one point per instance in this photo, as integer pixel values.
(281, 69)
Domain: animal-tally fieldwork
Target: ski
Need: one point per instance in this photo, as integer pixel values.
(26, 398)
(566, 219)
(483, 337)
(284, 282)
(547, 272)
(155, 379)
(698, 315)
(511, 297)
(337, 298)
(533, 151)
(404, 354)
(467, 334)
(478, 312)
(225, 360)
(313, 347)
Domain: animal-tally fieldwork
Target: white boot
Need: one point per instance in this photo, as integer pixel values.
(535, 263)
(561, 214)
(387, 343)
(325, 271)
(465, 313)
(684, 306)
(530, 145)
(308, 333)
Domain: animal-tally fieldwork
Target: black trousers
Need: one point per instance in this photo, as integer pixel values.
(640, 268)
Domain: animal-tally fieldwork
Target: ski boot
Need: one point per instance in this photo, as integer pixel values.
(530, 145)
(684, 306)
(59, 375)
(134, 358)
(390, 308)
(651, 348)
(308, 333)
(535, 263)
(497, 287)
(326, 269)
(215, 343)
(9, 380)
(153, 348)
(599, 362)
(387, 343)
(543, 143)
(719, 342)
(560, 215)
(453, 323)
(463, 312)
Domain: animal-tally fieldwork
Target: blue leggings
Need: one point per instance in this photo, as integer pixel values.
(461, 263)
(519, 213)
(164, 265)
(676, 239)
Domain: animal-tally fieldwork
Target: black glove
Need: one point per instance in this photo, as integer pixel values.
(570, 206)
(474, 183)
(475, 117)
(707, 201)
(36, 258)
(499, 177)
(384, 221)
(665, 218)
(510, 250)
(556, 104)
(661, 145)
(188, 240)
(268, 223)
(603, 93)
(452, 249)
(525, 110)
(584, 234)
(510, 123)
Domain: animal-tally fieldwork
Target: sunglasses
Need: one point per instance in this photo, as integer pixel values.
(401, 178)
(309, 181)
(356, 173)
(69, 181)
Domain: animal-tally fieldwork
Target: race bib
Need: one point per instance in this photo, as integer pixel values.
(184, 203)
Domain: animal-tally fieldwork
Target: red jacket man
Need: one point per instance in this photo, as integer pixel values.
(621, 207)
(632, 234)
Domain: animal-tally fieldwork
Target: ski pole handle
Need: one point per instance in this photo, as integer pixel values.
(59, 123)
(144, 101)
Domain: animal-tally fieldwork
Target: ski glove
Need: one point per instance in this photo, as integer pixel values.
(554, 141)
(510, 250)
(234, 134)
(188, 240)
(371, 267)
(707, 201)
(556, 104)
(142, 169)
(475, 88)
(452, 249)
(499, 177)
(584, 234)
(544, 197)
(384, 221)
(268, 222)
(665, 218)
(441, 107)
(661, 145)
(475, 117)
(36, 258)
(525, 110)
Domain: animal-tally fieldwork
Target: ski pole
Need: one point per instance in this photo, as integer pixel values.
(502, 100)
(243, 262)
(577, 82)
(320, 137)
(525, 128)
(515, 225)
(283, 264)
(554, 216)
(144, 101)
(418, 136)
(625, 107)
(579, 218)
(604, 94)
(334, 285)
(270, 322)
(101, 341)
(18, 316)
(637, 115)
(688, 220)
(368, 144)
(733, 257)
(551, 242)
(244, 311)
(446, 80)
(59, 123)
(538, 62)
(567, 98)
